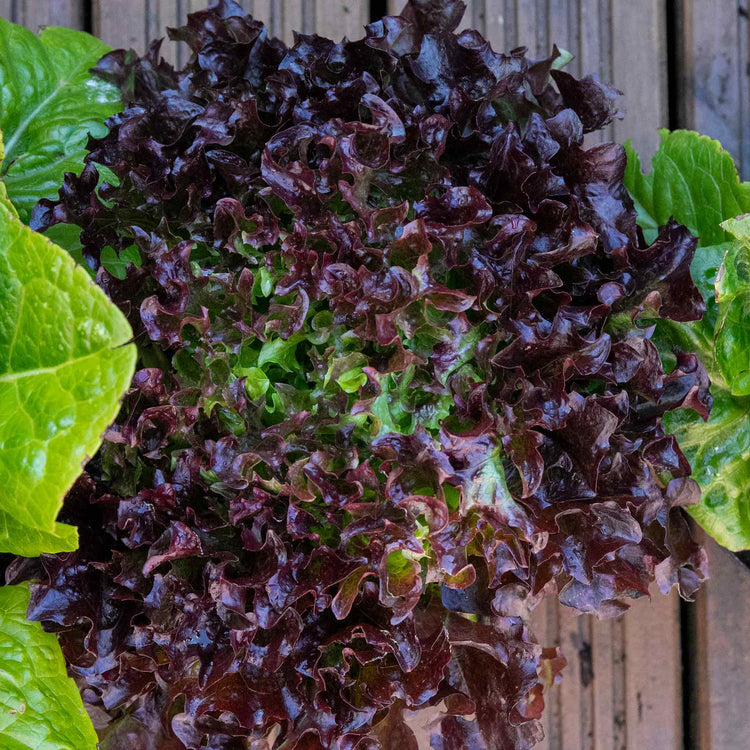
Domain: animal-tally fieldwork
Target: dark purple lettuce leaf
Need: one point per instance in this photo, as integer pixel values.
(396, 384)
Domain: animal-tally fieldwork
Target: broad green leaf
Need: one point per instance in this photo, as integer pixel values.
(719, 453)
(739, 228)
(49, 103)
(63, 367)
(352, 380)
(695, 180)
(4, 200)
(117, 263)
(40, 707)
(563, 60)
(281, 352)
(68, 237)
(732, 335)
(256, 382)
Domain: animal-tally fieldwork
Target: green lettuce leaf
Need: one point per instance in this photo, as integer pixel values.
(63, 367)
(732, 340)
(695, 180)
(49, 103)
(4, 200)
(40, 706)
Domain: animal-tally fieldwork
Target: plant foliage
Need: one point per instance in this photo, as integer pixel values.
(63, 363)
(695, 181)
(49, 103)
(62, 369)
(392, 388)
(40, 706)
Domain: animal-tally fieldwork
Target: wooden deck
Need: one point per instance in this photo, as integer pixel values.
(668, 675)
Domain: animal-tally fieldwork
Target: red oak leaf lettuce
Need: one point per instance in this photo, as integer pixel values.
(393, 388)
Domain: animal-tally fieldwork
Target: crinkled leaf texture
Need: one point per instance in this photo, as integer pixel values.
(49, 103)
(733, 307)
(40, 707)
(694, 180)
(63, 366)
(4, 199)
(392, 392)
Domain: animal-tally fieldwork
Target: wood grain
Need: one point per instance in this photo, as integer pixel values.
(714, 79)
(639, 69)
(721, 659)
(134, 23)
(653, 704)
(622, 687)
(33, 13)
(338, 18)
(121, 23)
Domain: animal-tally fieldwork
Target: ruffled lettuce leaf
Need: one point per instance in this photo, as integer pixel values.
(40, 706)
(4, 199)
(63, 367)
(49, 103)
(694, 180)
(733, 301)
(378, 292)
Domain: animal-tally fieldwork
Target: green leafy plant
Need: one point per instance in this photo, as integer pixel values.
(694, 180)
(39, 704)
(49, 103)
(389, 390)
(393, 380)
(62, 370)
(65, 361)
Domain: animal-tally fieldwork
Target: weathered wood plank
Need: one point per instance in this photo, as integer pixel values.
(532, 26)
(494, 24)
(526, 25)
(622, 687)
(568, 718)
(639, 69)
(475, 16)
(121, 23)
(269, 12)
(577, 701)
(558, 25)
(294, 19)
(593, 54)
(134, 23)
(278, 16)
(395, 6)
(721, 666)
(338, 18)
(159, 15)
(33, 14)
(653, 676)
(714, 73)
(608, 679)
(545, 626)
(510, 25)
(6, 10)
